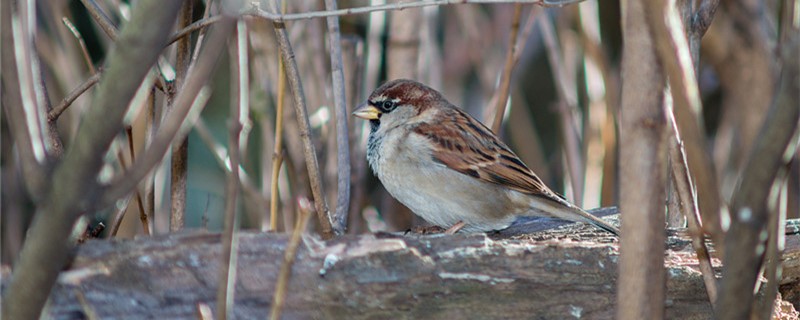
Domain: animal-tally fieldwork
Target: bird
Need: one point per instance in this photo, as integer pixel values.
(449, 168)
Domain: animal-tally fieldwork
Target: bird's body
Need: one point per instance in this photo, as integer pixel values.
(448, 168)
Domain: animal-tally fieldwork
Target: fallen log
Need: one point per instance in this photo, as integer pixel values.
(565, 272)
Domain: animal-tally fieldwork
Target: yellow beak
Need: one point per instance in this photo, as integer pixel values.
(366, 111)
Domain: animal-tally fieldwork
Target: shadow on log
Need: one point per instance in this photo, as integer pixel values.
(565, 272)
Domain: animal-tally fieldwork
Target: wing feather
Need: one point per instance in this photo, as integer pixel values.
(467, 146)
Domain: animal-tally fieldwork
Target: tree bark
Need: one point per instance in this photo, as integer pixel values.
(569, 271)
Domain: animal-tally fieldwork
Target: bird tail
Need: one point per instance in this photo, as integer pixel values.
(600, 223)
(567, 211)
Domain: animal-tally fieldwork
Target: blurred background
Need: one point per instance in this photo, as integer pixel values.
(561, 118)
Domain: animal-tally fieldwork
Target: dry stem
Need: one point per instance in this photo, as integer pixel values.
(180, 152)
(396, 7)
(277, 154)
(240, 69)
(505, 79)
(567, 106)
(674, 55)
(279, 296)
(301, 112)
(189, 99)
(682, 180)
(339, 220)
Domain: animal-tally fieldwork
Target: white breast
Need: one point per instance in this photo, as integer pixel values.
(440, 195)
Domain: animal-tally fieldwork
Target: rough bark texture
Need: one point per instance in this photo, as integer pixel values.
(566, 272)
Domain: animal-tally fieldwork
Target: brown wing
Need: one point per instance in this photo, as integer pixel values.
(479, 153)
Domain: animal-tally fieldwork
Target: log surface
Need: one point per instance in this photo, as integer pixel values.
(567, 272)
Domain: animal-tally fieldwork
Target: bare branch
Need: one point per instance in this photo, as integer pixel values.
(277, 154)
(188, 99)
(197, 25)
(110, 30)
(395, 7)
(339, 219)
(505, 78)
(74, 178)
(180, 152)
(643, 167)
(238, 108)
(33, 169)
(674, 55)
(749, 214)
(568, 105)
(687, 198)
(288, 260)
(101, 18)
(81, 44)
(309, 152)
(72, 96)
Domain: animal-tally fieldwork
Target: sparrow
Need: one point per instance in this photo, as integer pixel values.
(449, 168)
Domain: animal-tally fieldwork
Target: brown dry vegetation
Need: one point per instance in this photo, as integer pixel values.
(133, 114)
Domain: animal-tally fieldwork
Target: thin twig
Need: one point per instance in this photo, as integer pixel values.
(353, 59)
(202, 35)
(72, 96)
(22, 102)
(190, 100)
(395, 7)
(239, 106)
(110, 30)
(505, 78)
(101, 18)
(139, 202)
(277, 154)
(342, 143)
(522, 38)
(197, 25)
(121, 211)
(568, 105)
(123, 207)
(689, 114)
(81, 44)
(304, 212)
(151, 123)
(682, 180)
(305, 132)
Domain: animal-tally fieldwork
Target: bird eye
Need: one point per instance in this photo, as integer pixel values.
(388, 105)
